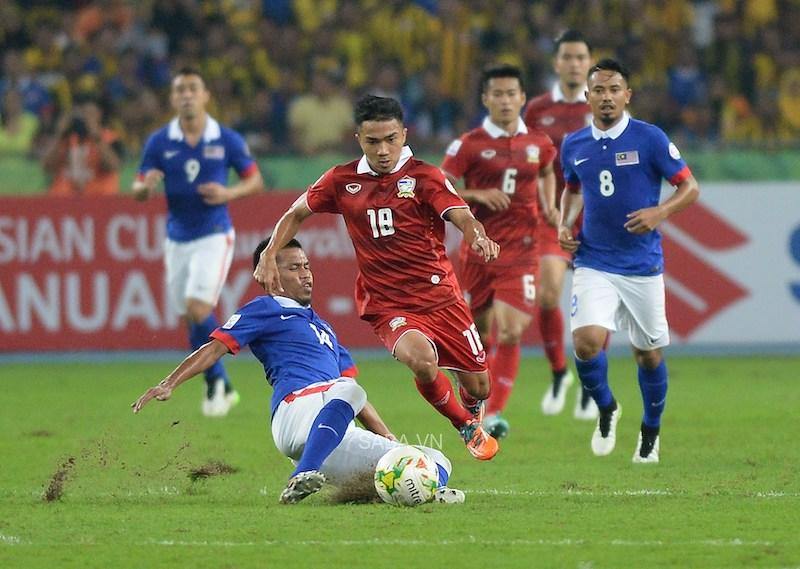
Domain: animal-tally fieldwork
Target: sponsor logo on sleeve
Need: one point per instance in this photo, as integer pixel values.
(454, 147)
(449, 186)
(674, 152)
(628, 158)
(405, 187)
(231, 322)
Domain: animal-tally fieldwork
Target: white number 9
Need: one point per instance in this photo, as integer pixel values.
(192, 169)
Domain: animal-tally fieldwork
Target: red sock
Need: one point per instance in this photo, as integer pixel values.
(440, 394)
(504, 373)
(551, 327)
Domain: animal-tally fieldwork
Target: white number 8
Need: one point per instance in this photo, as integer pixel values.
(606, 183)
(192, 169)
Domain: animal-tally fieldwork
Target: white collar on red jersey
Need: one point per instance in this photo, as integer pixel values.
(287, 302)
(497, 132)
(614, 131)
(364, 167)
(559, 97)
(211, 132)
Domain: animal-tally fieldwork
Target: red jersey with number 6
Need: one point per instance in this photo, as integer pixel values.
(396, 224)
(487, 158)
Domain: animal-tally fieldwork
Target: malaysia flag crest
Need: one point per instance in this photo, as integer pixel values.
(626, 158)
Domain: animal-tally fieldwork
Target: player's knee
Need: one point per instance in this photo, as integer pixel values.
(421, 360)
(477, 385)
(353, 394)
(547, 298)
(197, 311)
(650, 359)
(586, 348)
(510, 335)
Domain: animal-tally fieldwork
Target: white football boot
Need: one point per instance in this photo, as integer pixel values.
(605, 434)
(586, 412)
(647, 448)
(219, 404)
(445, 495)
(553, 403)
(301, 486)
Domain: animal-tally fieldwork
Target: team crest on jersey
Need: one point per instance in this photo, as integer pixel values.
(231, 322)
(397, 322)
(547, 120)
(353, 188)
(626, 158)
(214, 151)
(532, 151)
(405, 187)
(488, 154)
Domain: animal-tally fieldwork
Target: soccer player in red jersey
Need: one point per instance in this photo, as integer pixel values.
(504, 165)
(558, 112)
(395, 207)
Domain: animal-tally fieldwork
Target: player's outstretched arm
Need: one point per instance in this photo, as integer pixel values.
(647, 219)
(266, 273)
(216, 194)
(196, 362)
(474, 233)
(372, 421)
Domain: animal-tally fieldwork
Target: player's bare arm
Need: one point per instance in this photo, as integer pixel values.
(493, 198)
(647, 219)
(372, 421)
(547, 195)
(266, 272)
(571, 206)
(474, 233)
(195, 363)
(144, 188)
(216, 194)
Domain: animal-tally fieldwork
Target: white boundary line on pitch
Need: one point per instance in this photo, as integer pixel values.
(470, 540)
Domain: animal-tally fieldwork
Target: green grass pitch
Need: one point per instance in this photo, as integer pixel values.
(726, 494)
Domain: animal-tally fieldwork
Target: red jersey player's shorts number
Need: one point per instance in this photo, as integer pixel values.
(474, 339)
(510, 181)
(529, 287)
(606, 183)
(381, 222)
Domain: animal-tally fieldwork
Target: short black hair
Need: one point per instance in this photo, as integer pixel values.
(570, 36)
(292, 244)
(498, 71)
(374, 108)
(610, 65)
(189, 70)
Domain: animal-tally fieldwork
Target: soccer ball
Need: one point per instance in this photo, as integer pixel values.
(406, 476)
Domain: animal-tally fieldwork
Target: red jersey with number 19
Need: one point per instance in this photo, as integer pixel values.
(396, 224)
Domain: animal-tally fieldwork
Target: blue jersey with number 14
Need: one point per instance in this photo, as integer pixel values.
(296, 347)
(185, 167)
(619, 171)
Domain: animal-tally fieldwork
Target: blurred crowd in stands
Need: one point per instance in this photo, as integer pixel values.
(285, 72)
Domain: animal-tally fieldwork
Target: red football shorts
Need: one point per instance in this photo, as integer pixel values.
(485, 282)
(451, 330)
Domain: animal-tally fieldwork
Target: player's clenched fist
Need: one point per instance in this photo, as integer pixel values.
(566, 239)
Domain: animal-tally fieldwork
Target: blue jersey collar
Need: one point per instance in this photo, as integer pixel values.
(211, 132)
(613, 132)
(287, 302)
